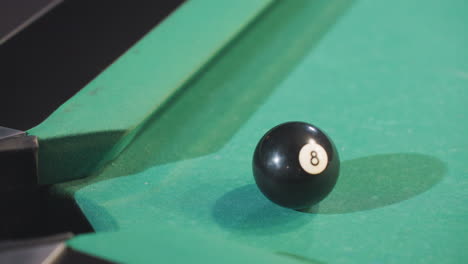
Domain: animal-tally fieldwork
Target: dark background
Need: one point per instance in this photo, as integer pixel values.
(41, 66)
(53, 57)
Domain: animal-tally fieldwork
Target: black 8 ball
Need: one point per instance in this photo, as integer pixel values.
(295, 165)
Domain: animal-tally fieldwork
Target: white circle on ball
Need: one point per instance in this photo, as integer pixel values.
(313, 158)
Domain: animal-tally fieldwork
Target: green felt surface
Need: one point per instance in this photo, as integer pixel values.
(166, 245)
(387, 80)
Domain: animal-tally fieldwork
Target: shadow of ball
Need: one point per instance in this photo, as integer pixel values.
(381, 180)
(364, 183)
(245, 209)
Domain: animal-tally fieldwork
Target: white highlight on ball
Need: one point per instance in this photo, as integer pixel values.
(313, 158)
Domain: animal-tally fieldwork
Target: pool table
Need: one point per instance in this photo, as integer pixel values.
(157, 150)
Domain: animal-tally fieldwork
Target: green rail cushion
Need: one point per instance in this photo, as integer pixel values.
(104, 116)
(169, 245)
(216, 104)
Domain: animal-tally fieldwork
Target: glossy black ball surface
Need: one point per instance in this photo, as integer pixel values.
(295, 165)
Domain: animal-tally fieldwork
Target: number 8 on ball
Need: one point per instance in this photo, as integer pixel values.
(313, 158)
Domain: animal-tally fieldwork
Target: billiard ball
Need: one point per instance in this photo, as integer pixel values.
(295, 165)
